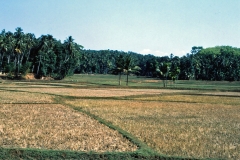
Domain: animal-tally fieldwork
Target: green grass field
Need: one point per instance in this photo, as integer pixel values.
(143, 82)
(46, 119)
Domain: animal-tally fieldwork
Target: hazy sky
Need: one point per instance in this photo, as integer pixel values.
(158, 27)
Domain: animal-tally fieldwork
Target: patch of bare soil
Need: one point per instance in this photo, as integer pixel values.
(30, 76)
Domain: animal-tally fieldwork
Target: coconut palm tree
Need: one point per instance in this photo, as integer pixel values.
(18, 48)
(119, 67)
(3, 48)
(163, 69)
(72, 55)
(30, 42)
(129, 66)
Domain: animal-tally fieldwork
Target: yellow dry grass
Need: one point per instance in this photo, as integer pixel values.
(199, 130)
(96, 92)
(54, 126)
(195, 126)
(192, 99)
(24, 97)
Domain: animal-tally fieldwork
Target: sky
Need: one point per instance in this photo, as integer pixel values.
(158, 27)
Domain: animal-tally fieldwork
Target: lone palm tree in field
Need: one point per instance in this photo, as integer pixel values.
(119, 67)
(130, 67)
(164, 71)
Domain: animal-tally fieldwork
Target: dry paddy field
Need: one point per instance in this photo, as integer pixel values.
(180, 125)
(94, 92)
(173, 122)
(31, 120)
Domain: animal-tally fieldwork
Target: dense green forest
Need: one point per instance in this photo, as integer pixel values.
(45, 56)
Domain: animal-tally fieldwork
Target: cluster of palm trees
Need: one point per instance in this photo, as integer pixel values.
(215, 63)
(22, 53)
(125, 64)
(44, 56)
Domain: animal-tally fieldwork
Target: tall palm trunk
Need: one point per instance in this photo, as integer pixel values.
(18, 64)
(1, 63)
(8, 57)
(39, 65)
(127, 78)
(21, 59)
(119, 80)
(28, 54)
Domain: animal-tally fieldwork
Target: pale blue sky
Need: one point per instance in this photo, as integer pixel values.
(158, 27)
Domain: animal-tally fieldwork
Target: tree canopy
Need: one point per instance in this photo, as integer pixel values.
(22, 53)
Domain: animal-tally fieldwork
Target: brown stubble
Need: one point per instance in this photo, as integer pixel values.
(199, 130)
(54, 126)
(96, 92)
(24, 97)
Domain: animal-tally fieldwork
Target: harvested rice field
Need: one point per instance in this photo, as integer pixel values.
(199, 130)
(30, 119)
(77, 90)
(96, 92)
(54, 126)
(24, 97)
(183, 123)
(202, 98)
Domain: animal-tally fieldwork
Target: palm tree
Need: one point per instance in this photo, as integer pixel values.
(174, 67)
(70, 47)
(72, 54)
(30, 42)
(119, 67)
(3, 48)
(10, 41)
(18, 48)
(42, 48)
(129, 66)
(164, 70)
(194, 51)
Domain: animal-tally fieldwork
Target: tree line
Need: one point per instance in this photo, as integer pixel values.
(45, 56)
